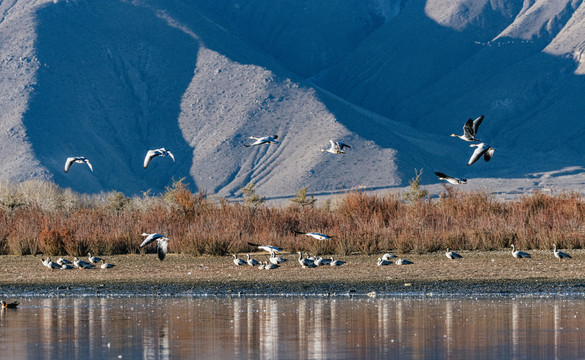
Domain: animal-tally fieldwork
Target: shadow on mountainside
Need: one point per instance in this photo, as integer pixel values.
(109, 88)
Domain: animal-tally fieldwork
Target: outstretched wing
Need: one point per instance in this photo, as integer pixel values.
(468, 129)
(171, 155)
(68, 163)
(342, 145)
(89, 164)
(162, 248)
(149, 155)
(477, 154)
(476, 124)
(150, 238)
(488, 154)
(441, 175)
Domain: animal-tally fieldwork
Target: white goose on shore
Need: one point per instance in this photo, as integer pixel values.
(263, 140)
(105, 265)
(276, 259)
(250, 261)
(336, 262)
(519, 254)
(79, 160)
(452, 255)
(482, 150)
(403, 262)
(80, 264)
(156, 152)
(93, 259)
(388, 256)
(336, 147)
(382, 262)
(306, 262)
(470, 129)
(560, 255)
(162, 244)
(238, 261)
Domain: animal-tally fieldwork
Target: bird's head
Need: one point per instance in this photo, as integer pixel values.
(454, 135)
(275, 136)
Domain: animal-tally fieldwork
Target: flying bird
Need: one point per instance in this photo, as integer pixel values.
(560, 255)
(162, 244)
(267, 248)
(519, 254)
(263, 140)
(156, 152)
(315, 235)
(79, 160)
(482, 150)
(470, 129)
(450, 179)
(336, 147)
(452, 255)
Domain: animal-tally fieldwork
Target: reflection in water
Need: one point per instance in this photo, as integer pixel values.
(311, 328)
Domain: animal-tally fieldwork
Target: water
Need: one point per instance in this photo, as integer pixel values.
(305, 328)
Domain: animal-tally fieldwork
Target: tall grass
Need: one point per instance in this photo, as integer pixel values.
(37, 217)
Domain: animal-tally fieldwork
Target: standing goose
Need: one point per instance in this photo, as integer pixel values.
(263, 140)
(251, 262)
(482, 150)
(450, 179)
(519, 254)
(80, 264)
(238, 261)
(470, 129)
(452, 255)
(93, 259)
(267, 248)
(560, 255)
(318, 236)
(156, 152)
(79, 160)
(305, 262)
(162, 244)
(336, 147)
(276, 259)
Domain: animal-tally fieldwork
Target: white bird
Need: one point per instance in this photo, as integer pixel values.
(93, 259)
(156, 152)
(66, 267)
(237, 261)
(403, 262)
(388, 256)
(336, 262)
(560, 255)
(162, 244)
(382, 262)
(305, 262)
(263, 140)
(105, 265)
(470, 129)
(452, 255)
(450, 179)
(79, 160)
(315, 235)
(80, 264)
(336, 147)
(62, 262)
(270, 266)
(519, 254)
(252, 262)
(276, 259)
(267, 248)
(50, 264)
(482, 149)
(321, 261)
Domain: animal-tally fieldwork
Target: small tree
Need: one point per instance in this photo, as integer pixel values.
(416, 193)
(250, 197)
(302, 198)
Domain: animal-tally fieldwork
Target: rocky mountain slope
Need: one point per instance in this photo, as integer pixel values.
(111, 79)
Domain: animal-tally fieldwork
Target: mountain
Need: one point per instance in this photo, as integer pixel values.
(110, 80)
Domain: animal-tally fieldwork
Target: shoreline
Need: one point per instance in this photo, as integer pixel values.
(479, 274)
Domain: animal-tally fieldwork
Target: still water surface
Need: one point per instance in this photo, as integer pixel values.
(300, 328)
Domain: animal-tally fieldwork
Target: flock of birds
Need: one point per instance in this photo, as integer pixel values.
(64, 264)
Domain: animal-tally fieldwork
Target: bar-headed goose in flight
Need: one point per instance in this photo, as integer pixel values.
(482, 150)
(318, 236)
(519, 254)
(450, 179)
(336, 147)
(267, 248)
(452, 255)
(79, 160)
(470, 129)
(156, 152)
(560, 255)
(263, 140)
(162, 244)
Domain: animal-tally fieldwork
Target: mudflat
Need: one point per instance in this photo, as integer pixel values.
(494, 273)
